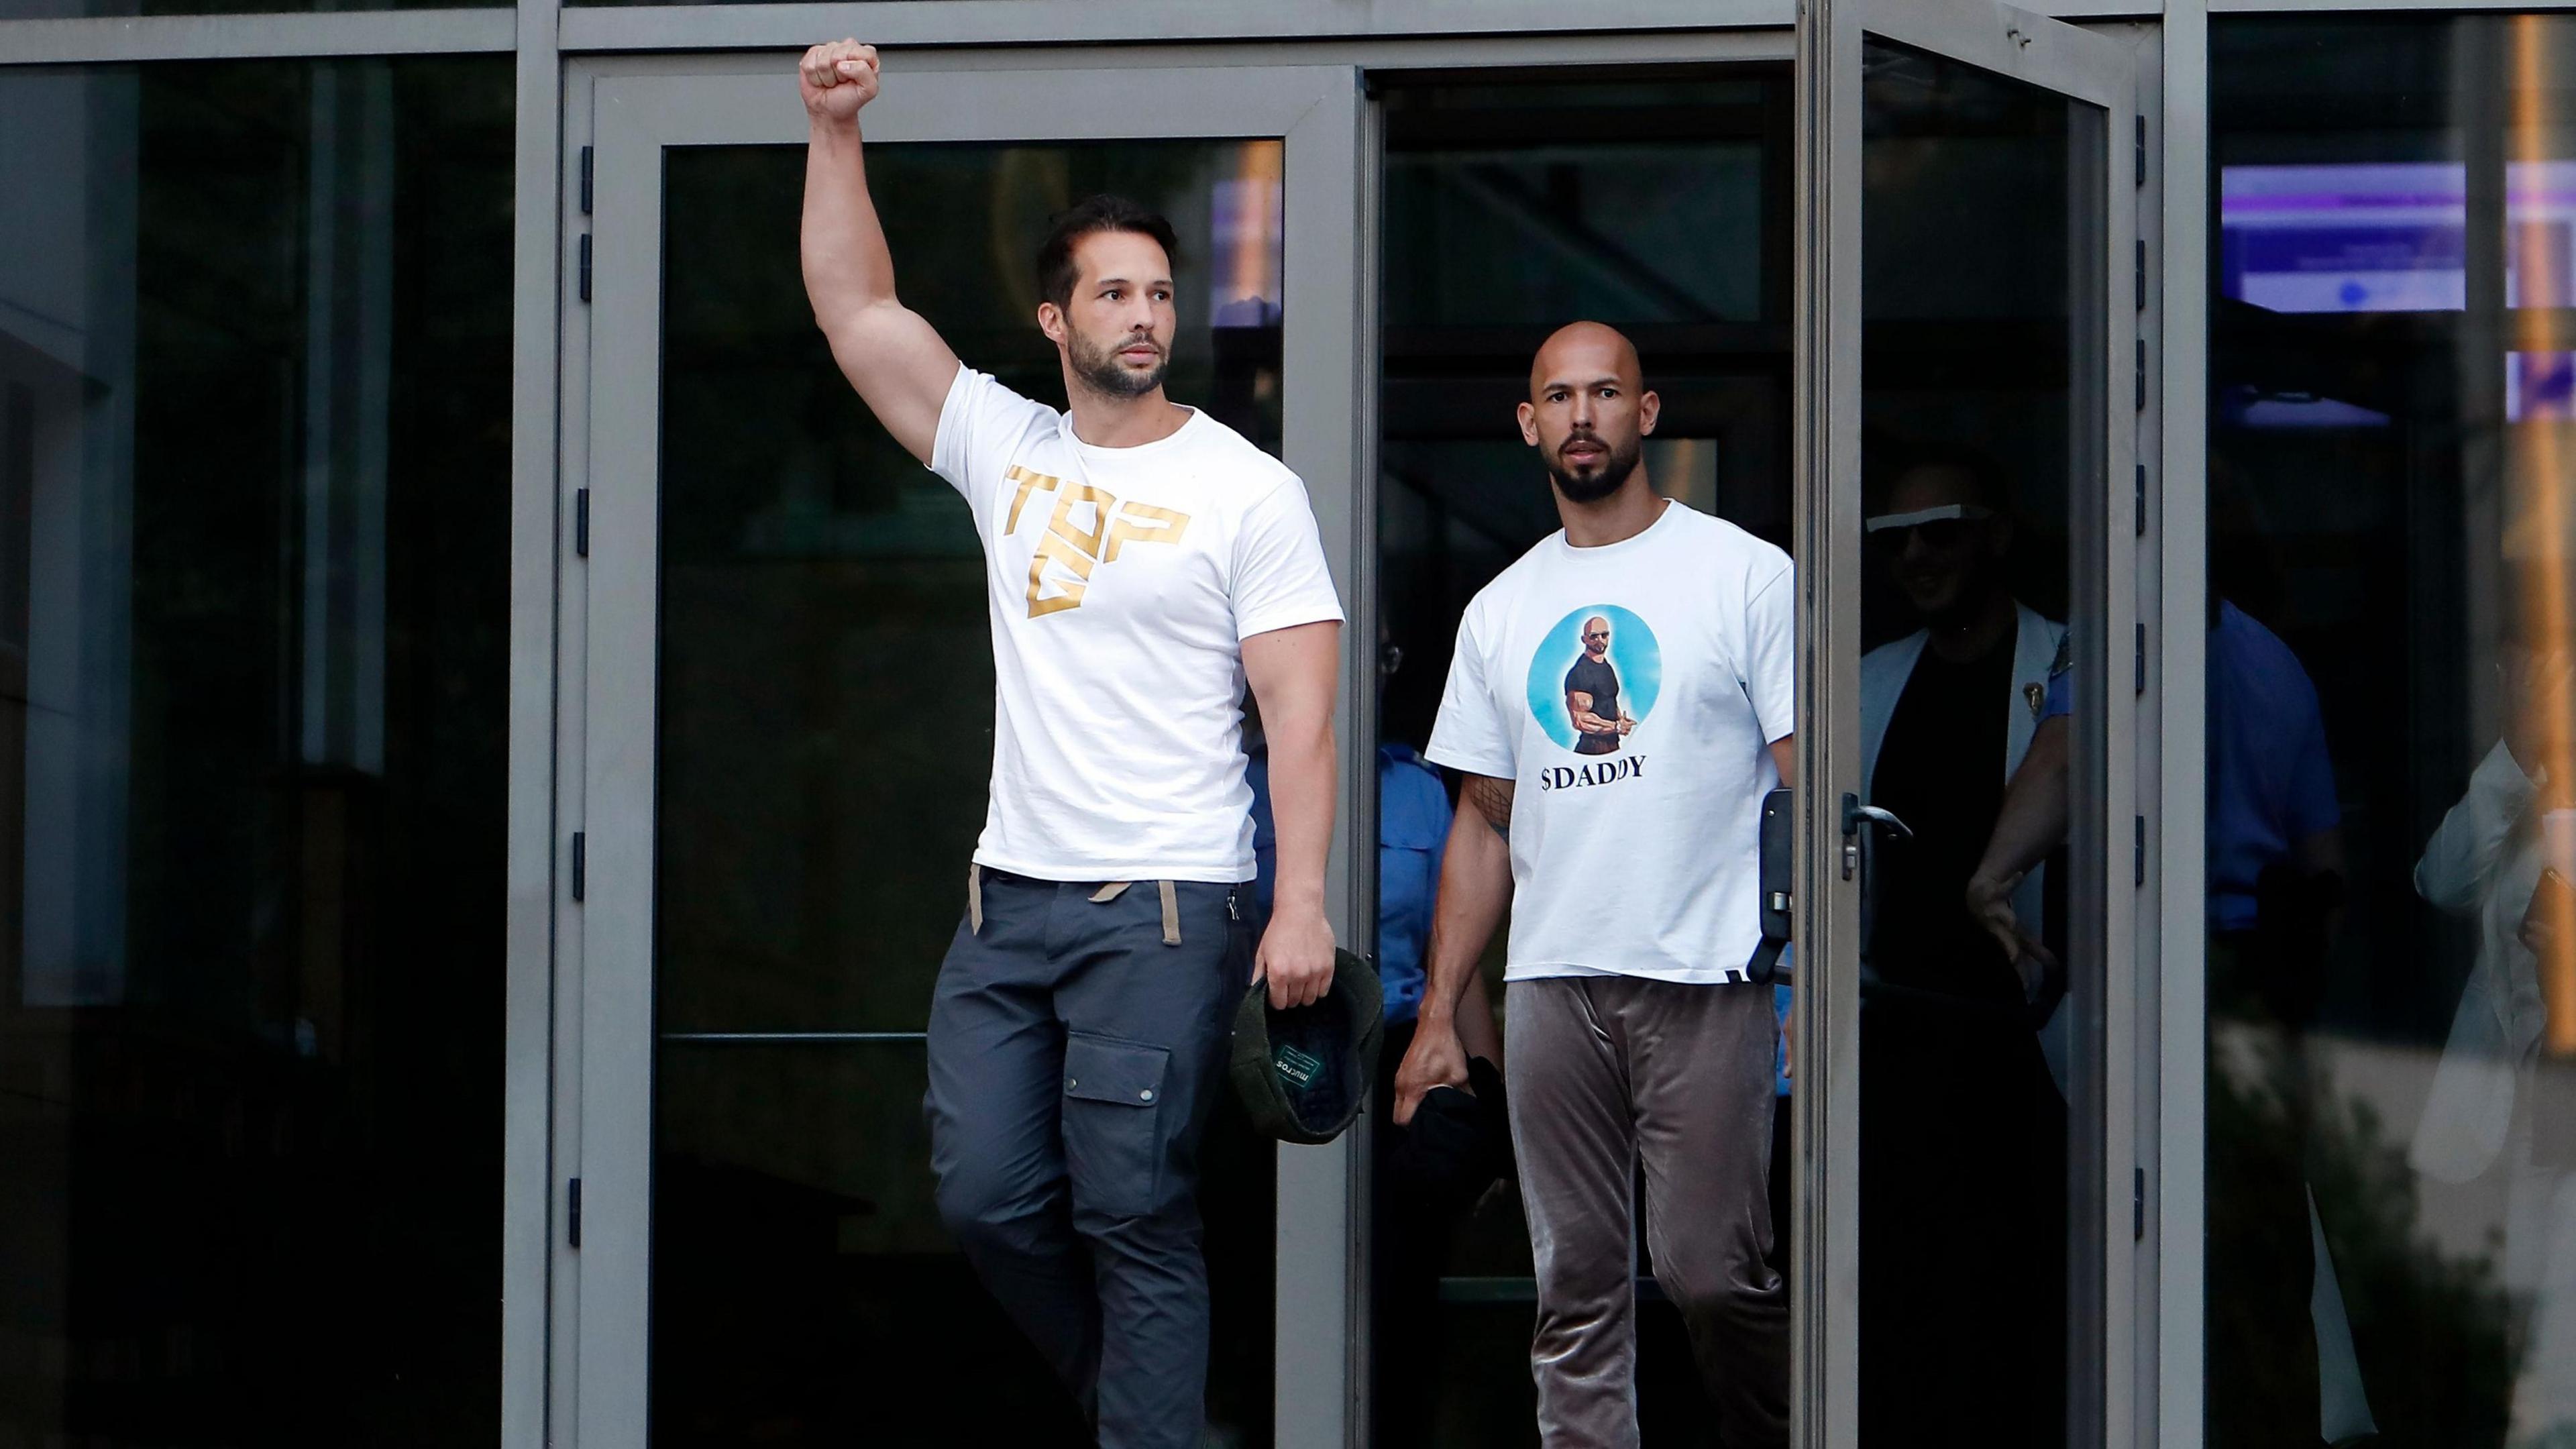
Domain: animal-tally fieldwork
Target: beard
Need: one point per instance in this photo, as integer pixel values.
(1607, 477)
(1099, 369)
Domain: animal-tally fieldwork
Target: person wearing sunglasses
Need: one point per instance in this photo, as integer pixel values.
(1958, 1105)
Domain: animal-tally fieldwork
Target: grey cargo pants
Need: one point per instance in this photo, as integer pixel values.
(1077, 1040)
(1607, 1074)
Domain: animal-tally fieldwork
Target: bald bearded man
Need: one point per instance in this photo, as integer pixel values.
(1623, 834)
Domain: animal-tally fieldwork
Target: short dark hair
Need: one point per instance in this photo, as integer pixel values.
(1894, 460)
(1056, 270)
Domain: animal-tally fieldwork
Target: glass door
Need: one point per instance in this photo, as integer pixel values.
(1972, 282)
(768, 862)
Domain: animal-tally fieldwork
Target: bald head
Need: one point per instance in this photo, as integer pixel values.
(1588, 411)
(1583, 352)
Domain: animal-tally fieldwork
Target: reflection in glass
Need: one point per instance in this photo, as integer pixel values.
(812, 847)
(1660, 207)
(1976, 385)
(2392, 994)
(254, 542)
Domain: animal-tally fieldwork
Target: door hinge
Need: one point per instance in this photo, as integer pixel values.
(581, 522)
(2142, 274)
(2142, 150)
(2142, 342)
(585, 271)
(2138, 1206)
(585, 181)
(572, 1212)
(2142, 657)
(2138, 854)
(580, 867)
(2142, 500)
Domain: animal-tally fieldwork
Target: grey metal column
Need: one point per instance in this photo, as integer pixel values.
(1320, 1340)
(1825, 1278)
(2181, 521)
(527, 1159)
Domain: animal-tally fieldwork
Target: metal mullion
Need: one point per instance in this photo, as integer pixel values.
(2180, 519)
(568, 331)
(1824, 1297)
(2131, 1302)
(115, 38)
(1025, 22)
(528, 1105)
(1319, 1379)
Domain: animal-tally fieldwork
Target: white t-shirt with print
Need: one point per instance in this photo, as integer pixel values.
(1122, 583)
(1635, 842)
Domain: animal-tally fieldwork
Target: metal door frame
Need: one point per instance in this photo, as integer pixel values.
(627, 114)
(2103, 1305)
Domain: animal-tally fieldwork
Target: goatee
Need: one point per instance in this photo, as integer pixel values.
(1100, 370)
(1616, 464)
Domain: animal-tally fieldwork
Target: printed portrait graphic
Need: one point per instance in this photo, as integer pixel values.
(1594, 678)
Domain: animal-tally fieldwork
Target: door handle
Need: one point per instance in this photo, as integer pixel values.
(1856, 815)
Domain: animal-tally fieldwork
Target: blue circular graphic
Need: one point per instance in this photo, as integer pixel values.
(1628, 667)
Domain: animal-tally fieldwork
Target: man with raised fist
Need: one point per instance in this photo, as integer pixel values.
(1143, 562)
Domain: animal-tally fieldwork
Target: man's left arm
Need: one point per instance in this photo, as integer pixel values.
(1294, 673)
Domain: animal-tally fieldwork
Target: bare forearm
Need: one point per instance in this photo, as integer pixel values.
(1301, 808)
(1475, 889)
(2032, 821)
(847, 265)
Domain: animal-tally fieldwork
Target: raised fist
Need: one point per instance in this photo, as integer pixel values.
(837, 79)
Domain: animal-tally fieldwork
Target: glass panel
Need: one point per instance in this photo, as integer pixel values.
(2392, 994)
(254, 605)
(812, 850)
(1660, 206)
(1980, 405)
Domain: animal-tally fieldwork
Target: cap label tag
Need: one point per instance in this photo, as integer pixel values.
(1296, 1066)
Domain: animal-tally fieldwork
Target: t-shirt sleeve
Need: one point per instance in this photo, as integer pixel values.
(1280, 579)
(982, 425)
(1471, 734)
(1771, 654)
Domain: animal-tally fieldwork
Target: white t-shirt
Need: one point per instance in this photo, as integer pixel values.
(1636, 824)
(1122, 583)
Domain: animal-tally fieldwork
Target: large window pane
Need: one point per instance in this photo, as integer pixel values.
(254, 404)
(2392, 1035)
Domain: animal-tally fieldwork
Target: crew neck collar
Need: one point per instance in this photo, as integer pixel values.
(1188, 424)
(1568, 548)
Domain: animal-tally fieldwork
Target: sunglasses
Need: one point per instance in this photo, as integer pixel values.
(1945, 527)
(1591, 634)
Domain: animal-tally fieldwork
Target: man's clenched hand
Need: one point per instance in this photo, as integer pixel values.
(1436, 1059)
(837, 79)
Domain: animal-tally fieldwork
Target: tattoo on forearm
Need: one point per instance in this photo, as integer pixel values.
(1493, 800)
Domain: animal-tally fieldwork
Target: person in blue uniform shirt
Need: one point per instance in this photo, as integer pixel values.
(2275, 882)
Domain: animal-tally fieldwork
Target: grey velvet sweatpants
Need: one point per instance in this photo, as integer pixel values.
(1608, 1073)
(1077, 1040)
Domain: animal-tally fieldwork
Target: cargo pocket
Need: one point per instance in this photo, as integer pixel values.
(1113, 1115)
